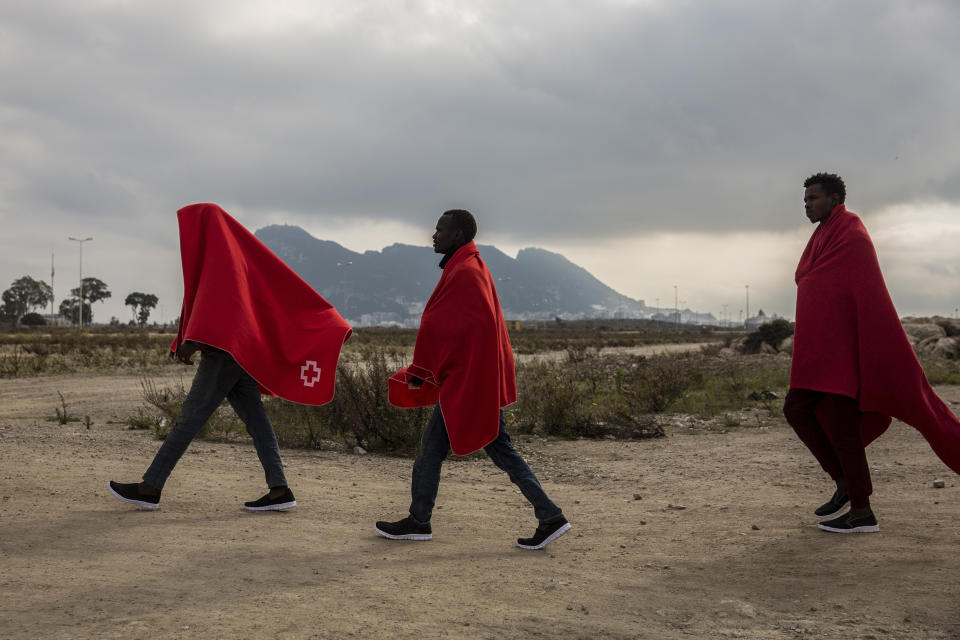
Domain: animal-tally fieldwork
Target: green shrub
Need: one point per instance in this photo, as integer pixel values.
(730, 384)
(586, 394)
(771, 333)
(167, 401)
(63, 415)
(360, 413)
(25, 352)
(578, 394)
(941, 370)
(33, 320)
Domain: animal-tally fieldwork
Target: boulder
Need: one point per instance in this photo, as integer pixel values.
(947, 348)
(786, 345)
(738, 345)
(917, 332)
(766, 348)
(950, 325)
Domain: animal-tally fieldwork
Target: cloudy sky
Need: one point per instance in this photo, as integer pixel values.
(656, 143)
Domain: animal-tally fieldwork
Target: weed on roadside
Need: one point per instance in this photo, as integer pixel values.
(63, 415)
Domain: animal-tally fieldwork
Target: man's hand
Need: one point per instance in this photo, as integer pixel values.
(413, 382)
(185, 351)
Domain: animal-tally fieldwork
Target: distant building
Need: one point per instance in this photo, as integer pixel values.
(56, 320)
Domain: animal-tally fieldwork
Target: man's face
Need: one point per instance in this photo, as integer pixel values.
(446, 238)
(817, 203)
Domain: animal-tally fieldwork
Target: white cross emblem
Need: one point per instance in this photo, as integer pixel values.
(310, 373)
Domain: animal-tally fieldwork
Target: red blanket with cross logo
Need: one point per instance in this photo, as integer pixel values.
(240, 297)
(462, 354)
(849, 339)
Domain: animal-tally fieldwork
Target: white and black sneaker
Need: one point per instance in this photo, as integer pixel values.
(833, 507)
(848, 524)
(130, 493)
(544, 535)
(406, 529)
(266, 503)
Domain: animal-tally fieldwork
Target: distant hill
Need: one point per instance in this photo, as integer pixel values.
(392, 285)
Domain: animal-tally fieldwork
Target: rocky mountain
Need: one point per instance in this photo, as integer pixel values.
(392, 285)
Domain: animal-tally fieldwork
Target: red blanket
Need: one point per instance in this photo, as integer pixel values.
(240, 297)
(462, 354)
(849, 339)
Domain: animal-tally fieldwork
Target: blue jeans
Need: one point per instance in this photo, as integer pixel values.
(434, 448)
(218, 377)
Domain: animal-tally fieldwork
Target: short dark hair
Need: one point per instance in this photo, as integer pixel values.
(832, 184)
(464, 221)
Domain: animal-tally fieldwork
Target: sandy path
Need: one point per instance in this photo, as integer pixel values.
(75, 563)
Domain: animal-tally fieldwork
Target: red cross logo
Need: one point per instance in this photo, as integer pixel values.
(310, 373)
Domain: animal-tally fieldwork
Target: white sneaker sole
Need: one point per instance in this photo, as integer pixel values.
(836, 514)
(871, 528)
(149, 506)
(553, 536)
(283, 506)
(406, 536)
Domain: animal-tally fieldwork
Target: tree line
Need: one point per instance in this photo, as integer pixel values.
(26, 295)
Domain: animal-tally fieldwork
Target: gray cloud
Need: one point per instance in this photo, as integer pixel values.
(562, 119)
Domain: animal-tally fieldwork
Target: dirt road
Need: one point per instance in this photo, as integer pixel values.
(701, 535)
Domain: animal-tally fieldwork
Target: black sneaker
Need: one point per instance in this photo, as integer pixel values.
(544, 535)
(848, 524)
(406, 529)
(130, 493)
(284, 502)
(834, 506)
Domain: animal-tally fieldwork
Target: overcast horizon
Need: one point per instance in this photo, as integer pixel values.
(653, 143)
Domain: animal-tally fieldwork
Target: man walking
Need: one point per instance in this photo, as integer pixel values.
(260, 328)
(853, 366)
(463, 364)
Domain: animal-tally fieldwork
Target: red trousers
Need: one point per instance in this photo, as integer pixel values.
(838, 445)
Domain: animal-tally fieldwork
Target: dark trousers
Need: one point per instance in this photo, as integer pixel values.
(434, 448)
(218, 377)
(838, 445)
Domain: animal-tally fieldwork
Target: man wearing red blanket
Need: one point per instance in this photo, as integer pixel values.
(853, 366)
(463, 364)
(259, 327)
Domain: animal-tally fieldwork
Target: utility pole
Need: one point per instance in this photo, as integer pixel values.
(343, 283)
(747, 319)
(80, 305)
(52, 296)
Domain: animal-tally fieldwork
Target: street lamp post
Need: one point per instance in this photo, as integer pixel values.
(747, 319)
(676, 304)
(80, 305)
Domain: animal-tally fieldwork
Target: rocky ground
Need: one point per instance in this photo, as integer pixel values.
(701, 534)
